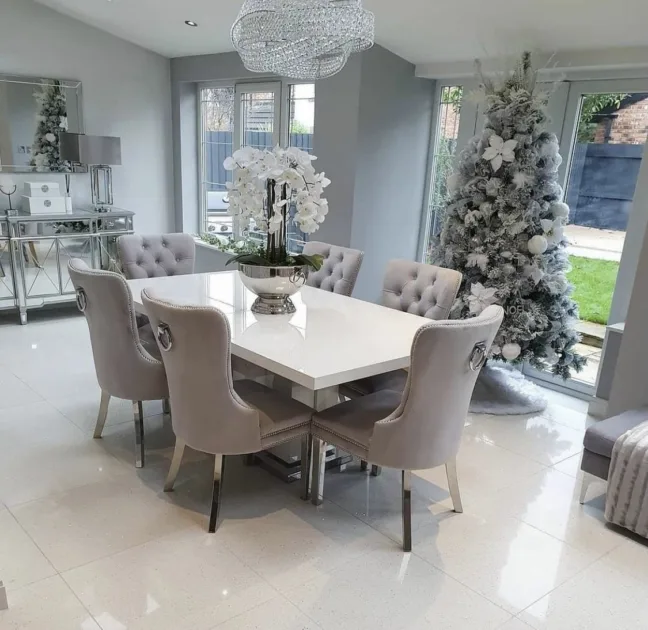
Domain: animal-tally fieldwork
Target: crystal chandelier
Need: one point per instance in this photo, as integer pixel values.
(301, 39)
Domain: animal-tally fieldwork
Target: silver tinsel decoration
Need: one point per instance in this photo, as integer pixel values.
(301, 39)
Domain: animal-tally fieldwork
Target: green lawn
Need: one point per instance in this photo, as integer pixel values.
(593, 282)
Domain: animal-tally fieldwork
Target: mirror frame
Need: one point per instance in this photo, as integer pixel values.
(36, 81)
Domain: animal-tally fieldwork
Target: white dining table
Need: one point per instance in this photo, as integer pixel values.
(331, 339)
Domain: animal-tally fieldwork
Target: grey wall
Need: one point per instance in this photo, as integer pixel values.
(393, 141)
(372, 118)
(126, 93)
(630, 384)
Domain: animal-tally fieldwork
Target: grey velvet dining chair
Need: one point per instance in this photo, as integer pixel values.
(421, 427)
(156, 255)
(127, 359)
(210, 412)
(416, 288)
(339, 270)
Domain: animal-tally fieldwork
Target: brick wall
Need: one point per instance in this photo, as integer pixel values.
(627, 126)
(449, 123)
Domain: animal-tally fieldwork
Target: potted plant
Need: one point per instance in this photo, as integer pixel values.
(272, 188)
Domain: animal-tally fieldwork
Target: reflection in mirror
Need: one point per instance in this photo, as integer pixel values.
(33, 112)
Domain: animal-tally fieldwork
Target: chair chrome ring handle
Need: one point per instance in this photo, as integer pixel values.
(81, 300)
(478, 356)
(164, 337)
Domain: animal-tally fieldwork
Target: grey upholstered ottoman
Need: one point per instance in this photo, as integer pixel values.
(599, 441)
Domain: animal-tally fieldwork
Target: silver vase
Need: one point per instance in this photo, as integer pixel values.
(273, 286)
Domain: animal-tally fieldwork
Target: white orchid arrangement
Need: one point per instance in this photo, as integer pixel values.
(266, 183)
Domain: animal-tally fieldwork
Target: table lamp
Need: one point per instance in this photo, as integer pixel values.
(100, 153)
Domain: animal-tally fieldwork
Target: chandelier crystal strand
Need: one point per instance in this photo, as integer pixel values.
(301, 39)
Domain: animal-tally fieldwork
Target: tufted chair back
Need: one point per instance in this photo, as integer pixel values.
(339, 271)
(420, 289)
(156, 255)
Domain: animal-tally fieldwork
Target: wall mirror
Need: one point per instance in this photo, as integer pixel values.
(33, 111)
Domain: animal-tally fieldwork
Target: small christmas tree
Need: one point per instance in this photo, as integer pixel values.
(503, 228)
(52, 119)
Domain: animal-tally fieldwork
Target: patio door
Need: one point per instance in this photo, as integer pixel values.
(604, 130)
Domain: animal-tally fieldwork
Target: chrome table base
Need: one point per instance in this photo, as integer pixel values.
(273, 305)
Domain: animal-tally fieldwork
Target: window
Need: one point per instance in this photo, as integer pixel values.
(445, 147)
(301, 116)
(301, 124)
(248, 114)
(217, 127)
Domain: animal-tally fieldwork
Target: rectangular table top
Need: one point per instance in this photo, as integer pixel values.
(331, 339)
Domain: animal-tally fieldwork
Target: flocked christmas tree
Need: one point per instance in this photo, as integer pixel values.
(52, 120)
(503, 228)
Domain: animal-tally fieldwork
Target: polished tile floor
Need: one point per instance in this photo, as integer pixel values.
(87, 542)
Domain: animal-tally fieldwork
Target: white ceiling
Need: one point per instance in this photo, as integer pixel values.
(418, 30)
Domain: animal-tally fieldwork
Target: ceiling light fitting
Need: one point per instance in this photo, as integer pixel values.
(301, 39)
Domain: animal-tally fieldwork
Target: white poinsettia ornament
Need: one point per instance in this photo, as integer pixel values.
(499, 151)
(480, 297)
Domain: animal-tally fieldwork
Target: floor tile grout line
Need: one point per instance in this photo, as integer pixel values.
(531, 459)
(466, 586)
(80, 602)
(30, 537)
(53, 495)
(564, 583)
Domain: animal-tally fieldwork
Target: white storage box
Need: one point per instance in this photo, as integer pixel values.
(42, 189)
(43, 205)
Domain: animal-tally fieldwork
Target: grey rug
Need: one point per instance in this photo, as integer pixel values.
(501, 390)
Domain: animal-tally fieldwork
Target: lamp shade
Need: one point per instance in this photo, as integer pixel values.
(83, 149)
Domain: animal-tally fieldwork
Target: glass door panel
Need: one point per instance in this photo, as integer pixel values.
(606, 126)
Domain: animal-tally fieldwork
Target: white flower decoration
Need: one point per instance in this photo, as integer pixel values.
(499, 151)
(253, 168)
(480, 297)
(554, 230)
(50, 137)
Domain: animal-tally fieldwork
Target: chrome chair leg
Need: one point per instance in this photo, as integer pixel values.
(453, 485)
(219, 469)
(375, 470)
(407, 510)
(363, 464)
(178, 452)
(587, 481)
(103, 414)
(319, 466)
(138, 415)
(306, 455)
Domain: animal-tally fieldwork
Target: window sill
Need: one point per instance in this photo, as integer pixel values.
(214, 248)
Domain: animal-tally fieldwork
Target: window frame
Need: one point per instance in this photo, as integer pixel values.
(466, 130)
(281, 130)
(202, 196)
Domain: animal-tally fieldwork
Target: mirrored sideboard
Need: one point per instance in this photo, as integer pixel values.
(35, 249)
